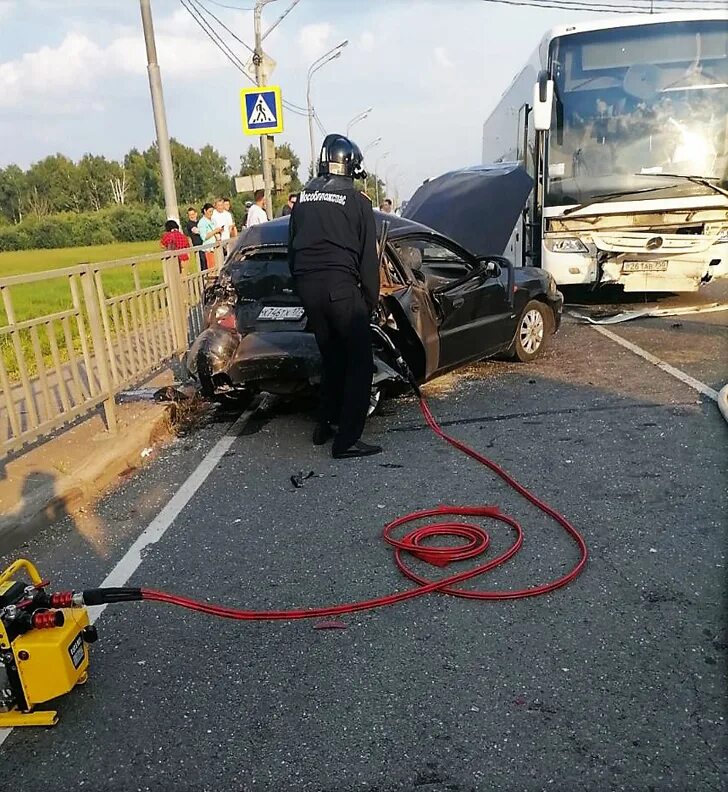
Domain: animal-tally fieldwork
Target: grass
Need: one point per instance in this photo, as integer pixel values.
(33, 300)
(37, 299)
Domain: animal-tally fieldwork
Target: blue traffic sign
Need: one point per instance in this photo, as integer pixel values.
(261, 110)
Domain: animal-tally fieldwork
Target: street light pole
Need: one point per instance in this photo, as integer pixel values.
(390, 177)
(332, 54)
(359, 117)
(366, 148)
(376, 179)
(160, 117)
(266, 141)
(371, 144)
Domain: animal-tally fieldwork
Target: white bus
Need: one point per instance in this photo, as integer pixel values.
(623, 126)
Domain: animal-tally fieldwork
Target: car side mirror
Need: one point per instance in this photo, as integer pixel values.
(489, 268)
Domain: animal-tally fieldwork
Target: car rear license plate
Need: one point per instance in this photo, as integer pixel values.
(645, 266)
(281, 313)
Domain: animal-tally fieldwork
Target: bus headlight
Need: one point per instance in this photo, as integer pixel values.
(565, 245)
(722, 237)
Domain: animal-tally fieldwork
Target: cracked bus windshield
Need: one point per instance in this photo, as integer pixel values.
(634, 103)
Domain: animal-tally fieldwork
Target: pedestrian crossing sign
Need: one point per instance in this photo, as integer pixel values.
(261, 109)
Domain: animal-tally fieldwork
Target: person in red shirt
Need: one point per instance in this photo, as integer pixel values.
(174, 239)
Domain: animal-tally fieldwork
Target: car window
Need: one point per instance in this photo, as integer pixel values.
(434, 261)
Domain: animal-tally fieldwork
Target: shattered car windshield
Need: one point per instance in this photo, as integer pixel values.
(638, 101)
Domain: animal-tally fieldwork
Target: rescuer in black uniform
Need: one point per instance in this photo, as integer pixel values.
(332, 254)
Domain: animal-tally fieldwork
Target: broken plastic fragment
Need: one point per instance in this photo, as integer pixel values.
(297, 479)
(168, 393)
(330, 625)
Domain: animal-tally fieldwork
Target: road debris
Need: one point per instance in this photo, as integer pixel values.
(330, 625)
(643, 313)
(298, 479)
(169, 394)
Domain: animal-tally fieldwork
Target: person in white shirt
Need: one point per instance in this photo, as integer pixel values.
(221, 217)
(256, 213)
(228, 208)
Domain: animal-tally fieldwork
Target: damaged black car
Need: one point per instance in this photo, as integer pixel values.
(441, 307)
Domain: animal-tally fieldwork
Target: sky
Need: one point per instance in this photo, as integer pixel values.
(73, 76)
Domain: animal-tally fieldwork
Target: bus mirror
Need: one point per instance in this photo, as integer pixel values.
(543, 102)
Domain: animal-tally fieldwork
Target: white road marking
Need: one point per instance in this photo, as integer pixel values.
(156, 529)
(697, 385)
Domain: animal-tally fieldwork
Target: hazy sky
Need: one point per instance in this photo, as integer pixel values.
(73, 76)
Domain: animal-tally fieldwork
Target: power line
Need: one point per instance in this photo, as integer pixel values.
(220, 22)
(209, 32)
(232, 8)
(630, 6)
(228, 52)
(319, 124)
(293, 108)
(585, 5)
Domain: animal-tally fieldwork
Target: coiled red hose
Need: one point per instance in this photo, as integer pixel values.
(476, 541)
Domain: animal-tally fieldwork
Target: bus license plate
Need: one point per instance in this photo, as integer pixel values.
(280, 313)
(645, 266)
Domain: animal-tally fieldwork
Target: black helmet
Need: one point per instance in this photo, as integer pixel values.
(340, 157)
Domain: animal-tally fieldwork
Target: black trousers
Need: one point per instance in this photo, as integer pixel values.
(339, 319)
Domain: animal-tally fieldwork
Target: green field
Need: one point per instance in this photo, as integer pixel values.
(36, 299)
(32, 300)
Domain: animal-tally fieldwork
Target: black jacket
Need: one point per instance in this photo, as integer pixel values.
(332, 228)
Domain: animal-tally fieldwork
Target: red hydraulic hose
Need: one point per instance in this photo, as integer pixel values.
(476, 541)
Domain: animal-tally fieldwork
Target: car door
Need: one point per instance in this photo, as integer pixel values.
(472, 305)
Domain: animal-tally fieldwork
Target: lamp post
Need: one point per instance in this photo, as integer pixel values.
(376, 180)
(366, 148)
(392, 174)
(327, 57)
(357, 118)
(371, 144)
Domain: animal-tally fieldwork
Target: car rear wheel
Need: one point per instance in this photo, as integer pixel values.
(533, 326)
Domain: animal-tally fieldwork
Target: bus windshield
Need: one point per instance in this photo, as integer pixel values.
(635, 105)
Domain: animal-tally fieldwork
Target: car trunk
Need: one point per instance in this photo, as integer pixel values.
(267, 301)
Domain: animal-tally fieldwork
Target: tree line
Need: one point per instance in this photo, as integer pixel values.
(57, 202)
(58, 184)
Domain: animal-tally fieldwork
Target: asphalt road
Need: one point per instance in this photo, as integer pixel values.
(614, 683)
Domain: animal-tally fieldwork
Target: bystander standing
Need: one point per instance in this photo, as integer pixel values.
(174, 239)
(210, 234)
(386, 206)
(224, 219)
(193, 233)
(287, 207)
(227, 205)
(256, 213)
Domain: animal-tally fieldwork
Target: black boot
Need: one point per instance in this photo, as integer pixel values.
(322, 433)
(358, 449)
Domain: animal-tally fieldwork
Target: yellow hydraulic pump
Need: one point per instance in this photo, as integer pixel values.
(43, 646)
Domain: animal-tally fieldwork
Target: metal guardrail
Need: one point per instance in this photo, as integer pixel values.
(59, 366)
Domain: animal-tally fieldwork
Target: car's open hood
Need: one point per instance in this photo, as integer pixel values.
(478, 207)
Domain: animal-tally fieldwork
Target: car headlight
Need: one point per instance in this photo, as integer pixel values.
(551, 289)
(565, 245)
